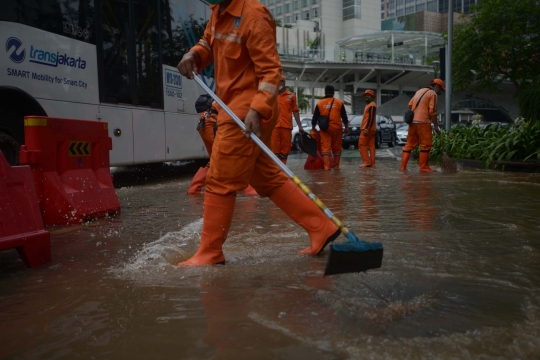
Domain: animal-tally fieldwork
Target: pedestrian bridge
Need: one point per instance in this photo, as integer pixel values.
(383, 61)
(350, 77)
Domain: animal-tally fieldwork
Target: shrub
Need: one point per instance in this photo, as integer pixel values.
(491, 143)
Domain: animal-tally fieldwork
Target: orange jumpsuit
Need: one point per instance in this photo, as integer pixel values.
(241, 40)
(367, 142)
(242, 43)
(420, 129)
(331, 139)
(207, 133)
(281, 136)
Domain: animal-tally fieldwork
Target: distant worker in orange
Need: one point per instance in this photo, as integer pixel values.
(424, 105)
(240, 38)
(207, 129)
(331, 138)
(282, 134)
(368, 130)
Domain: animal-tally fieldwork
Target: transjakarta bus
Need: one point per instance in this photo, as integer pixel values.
(105, 60)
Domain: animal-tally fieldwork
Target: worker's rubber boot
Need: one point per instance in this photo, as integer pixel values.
(337, 159)
(305, 213)
(218, 213)
(372, 155)
(326, 161)
(365, 157)
(424, 162)
(250, 191)
(404, 160)
(199, 180)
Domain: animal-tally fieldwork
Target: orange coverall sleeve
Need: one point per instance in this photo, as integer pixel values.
(261, 45)
(204, 50)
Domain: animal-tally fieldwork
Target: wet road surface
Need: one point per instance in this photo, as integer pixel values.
(460, 275)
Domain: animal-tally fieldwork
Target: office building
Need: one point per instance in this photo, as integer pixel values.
(336, 19)
(391, 9)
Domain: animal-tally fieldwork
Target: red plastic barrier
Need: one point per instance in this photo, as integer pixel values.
(316, 163)
(70, 163)
(21, 226)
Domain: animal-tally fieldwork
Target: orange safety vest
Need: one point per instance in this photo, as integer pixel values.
(369, 120)
(427, 106)
(287, 105)
(235, 41)
(335, 112)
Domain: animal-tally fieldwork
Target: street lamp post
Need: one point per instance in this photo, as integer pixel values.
(448, 107)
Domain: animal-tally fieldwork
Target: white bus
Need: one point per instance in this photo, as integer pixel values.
(106, 60)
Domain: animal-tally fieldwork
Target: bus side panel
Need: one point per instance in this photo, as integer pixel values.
(183, 140)
(121, 121)
(148, 136)
(69, 110)
(48, 66)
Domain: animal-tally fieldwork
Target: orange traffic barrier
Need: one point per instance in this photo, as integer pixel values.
(21, 226)
(316, 163)
(70, 163)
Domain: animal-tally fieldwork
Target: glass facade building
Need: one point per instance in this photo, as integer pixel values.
(395, 8)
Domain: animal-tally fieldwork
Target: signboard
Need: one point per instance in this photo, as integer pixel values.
(48, 66)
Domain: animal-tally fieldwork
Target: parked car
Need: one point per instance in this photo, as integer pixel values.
(401, 133)
(386, 131)
(306, 124)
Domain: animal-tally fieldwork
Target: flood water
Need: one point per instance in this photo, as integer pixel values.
(460, 276)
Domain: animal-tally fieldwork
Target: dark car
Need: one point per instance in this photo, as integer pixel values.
(386, 131)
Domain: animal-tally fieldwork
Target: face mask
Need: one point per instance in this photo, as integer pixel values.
(214, 2)
(368, 100)
(281, 87)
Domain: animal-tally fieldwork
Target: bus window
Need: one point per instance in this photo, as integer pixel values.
(9, 11)
(183, 25)
(147, 53)
(116, 84)
(74, 19)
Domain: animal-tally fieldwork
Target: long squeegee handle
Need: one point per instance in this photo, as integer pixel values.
(271, 155)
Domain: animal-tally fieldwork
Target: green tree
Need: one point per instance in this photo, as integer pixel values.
(501, 41)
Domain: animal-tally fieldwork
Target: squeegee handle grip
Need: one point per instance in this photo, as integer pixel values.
(274, 158)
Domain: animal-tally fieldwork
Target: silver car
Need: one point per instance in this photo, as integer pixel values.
(402, 130)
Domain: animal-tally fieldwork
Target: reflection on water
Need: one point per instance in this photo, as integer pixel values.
(460, 276)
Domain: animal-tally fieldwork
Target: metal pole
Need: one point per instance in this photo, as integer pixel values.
(392, 47)
(448, 107)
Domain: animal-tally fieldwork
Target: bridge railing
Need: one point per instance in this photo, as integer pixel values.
(337, 54)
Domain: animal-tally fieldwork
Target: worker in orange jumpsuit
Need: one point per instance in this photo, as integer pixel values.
(240, 38)
(368, 130)
(207, 129)
(282, 134)
(331, 138)
(424, 105)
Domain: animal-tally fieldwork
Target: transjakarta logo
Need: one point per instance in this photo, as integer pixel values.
(42, 57)
(13, 42)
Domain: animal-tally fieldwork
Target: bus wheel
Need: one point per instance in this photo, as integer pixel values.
(10, 148)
